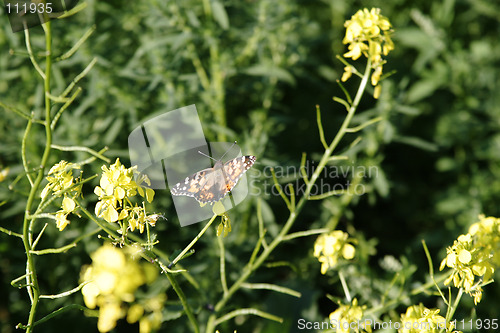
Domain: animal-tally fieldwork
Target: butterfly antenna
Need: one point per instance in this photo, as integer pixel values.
(202, 153)
(221, 156)
(227, 151)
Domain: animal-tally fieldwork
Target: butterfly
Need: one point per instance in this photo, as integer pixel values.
(212, 184)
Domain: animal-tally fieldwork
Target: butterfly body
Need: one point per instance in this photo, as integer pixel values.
(213, 184)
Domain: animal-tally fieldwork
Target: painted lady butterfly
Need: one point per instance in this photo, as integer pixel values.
(212, 184)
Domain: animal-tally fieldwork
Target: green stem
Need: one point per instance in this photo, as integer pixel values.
(212, 320)
(23, 149)
(187, 248)
(345, 287)
(32, 279)
(222, 264)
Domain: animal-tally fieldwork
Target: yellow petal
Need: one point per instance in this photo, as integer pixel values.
(68, 205)
(464, 256)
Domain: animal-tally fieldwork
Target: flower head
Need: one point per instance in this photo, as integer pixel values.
(113, 277)
(369, 34)
(474, 254)
(61, 182)
(486, 234)
(419, 319)
(328, 248)
(60, 178)
(117, 186)
(342, 318)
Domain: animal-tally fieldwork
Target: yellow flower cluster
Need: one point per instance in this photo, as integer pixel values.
(368, 33)
(486, 234)
(61, 180)
(342, 318)
(112, 278)
(474, 254)
(328, 248)
(117, 186)
(418, 319)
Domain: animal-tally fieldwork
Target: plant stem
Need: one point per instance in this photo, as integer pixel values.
(190, 245)
(32, 280)
(212, 320)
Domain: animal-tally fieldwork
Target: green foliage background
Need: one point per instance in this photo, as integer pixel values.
(268, 63)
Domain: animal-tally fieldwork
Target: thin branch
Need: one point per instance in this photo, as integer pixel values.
(320, 127)
(256, 250)
(303, 169)
(280, 190)
(54, 250)
(79, 77)
(360, 127)
(30, 52)
(75, 47)
(222, 265)
(326, 195)
(66, 293)
(187, 248)
(61, 311)
(305, 233)
(248, 311)
(274, 287)
(343, 102)
(23, 150)
(64, 107)
(431, 271)
(23, 114)
(39, 236)
(262, 230)
(10, 233)
(338, 157)
(85, 149)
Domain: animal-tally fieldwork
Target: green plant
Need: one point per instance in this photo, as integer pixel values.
(231, 57)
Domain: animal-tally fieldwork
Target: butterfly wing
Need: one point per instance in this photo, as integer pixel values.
(195, 184)
(233, 170)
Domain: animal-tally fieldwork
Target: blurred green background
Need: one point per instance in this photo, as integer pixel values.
(256, 70)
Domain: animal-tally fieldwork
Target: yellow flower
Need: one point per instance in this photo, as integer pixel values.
(153, 320)
(418, 319)
(347, 73)
(112, 279)
(61, 179)
(224, 227)
(486, 234)
(474, 254)
(328, 248)
(139, 218)
(68, 206)
(376, 75)
(368, 33)
(61, 220)
(117, 185)
(108, 316)
(342, 318)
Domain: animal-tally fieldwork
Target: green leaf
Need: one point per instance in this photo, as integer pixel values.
(220, 15)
